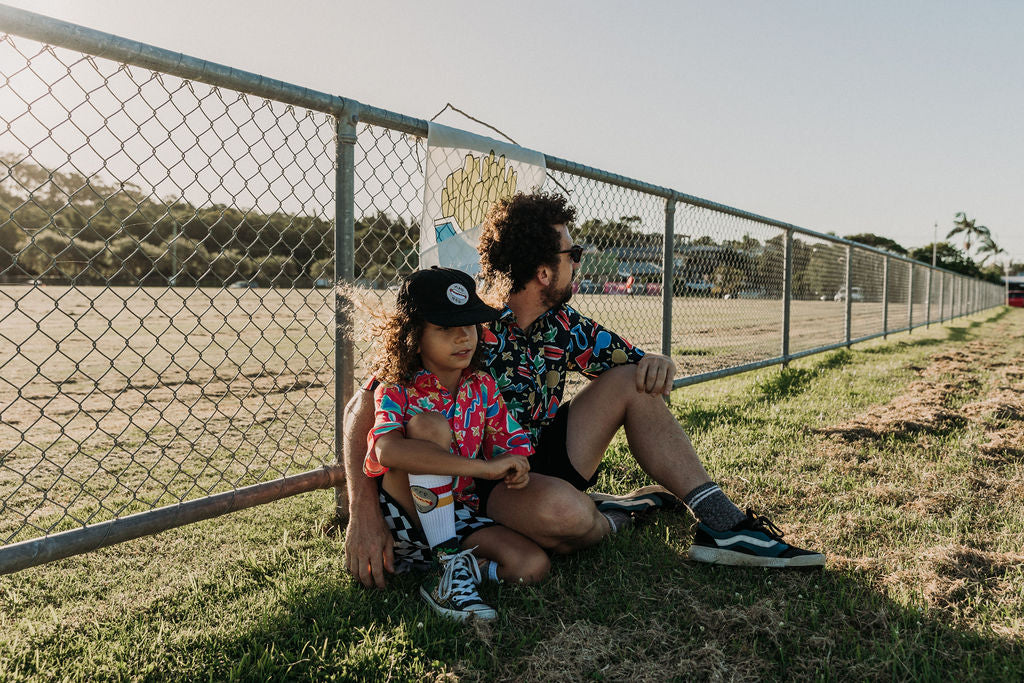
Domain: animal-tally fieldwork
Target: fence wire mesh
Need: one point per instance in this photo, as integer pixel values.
(728, 277)
(167, 273)
(161, 338)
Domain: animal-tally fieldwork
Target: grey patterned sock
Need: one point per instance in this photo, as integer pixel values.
(711, 506)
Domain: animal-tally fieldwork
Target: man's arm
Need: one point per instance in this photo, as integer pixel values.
(368, 543)
(601, 349)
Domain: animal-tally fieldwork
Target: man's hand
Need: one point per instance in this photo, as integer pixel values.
(514, 469)
(369, 549)
(654, 374)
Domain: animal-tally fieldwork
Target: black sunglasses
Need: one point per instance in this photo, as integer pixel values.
(575, 252)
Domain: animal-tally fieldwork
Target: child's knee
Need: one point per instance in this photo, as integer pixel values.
(429, 426)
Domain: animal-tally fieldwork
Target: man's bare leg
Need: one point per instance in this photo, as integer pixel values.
(549, 511)
(560, 518)
(656, 439)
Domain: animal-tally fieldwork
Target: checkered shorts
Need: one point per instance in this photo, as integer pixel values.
(412, 552)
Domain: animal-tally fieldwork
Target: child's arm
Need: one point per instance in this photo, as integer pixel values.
(416, 456)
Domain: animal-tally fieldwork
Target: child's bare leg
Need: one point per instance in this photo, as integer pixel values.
(396, 483)
(518, 558)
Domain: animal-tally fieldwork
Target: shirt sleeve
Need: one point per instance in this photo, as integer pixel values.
(592, 349)
(391, 405)
(502, 434)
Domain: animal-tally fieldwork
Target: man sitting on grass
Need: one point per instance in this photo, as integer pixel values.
(528, 261)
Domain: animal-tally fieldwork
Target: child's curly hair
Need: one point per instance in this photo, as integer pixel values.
(517, 239)
(398, 337)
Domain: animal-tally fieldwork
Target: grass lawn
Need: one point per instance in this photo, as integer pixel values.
(902, 459)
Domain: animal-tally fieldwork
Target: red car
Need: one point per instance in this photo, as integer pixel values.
(1016, 299)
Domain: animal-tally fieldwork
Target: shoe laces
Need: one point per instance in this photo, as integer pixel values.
(460, 575)
(760, 523)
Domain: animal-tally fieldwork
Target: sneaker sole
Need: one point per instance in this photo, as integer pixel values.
(458, 615)
(701, 553)
(654, 496)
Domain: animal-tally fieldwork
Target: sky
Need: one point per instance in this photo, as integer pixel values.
(884, 117)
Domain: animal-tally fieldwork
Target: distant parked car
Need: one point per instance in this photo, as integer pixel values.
(855, 294)
(244, 284)
(616, 288)
(1016, 299)
(323, 283)
(588, 287)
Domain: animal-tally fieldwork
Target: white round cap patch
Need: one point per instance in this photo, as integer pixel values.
(458, 294)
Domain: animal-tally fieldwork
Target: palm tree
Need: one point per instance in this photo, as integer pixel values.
(989, 248)
(966, 226)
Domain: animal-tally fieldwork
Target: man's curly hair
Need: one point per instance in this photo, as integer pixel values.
(517, 239)
(397, 338)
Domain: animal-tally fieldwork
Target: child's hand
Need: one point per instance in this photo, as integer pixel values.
(514, 469)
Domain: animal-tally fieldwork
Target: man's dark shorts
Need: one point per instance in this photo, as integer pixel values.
(550, 458)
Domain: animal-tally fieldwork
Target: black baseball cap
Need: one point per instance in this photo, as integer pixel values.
(445, 297)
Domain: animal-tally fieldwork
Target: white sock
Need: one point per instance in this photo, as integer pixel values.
(432, 496)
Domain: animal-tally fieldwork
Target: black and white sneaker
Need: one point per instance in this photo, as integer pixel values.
(619, 520)
(453, 594)
(640, 500)
(753, 542)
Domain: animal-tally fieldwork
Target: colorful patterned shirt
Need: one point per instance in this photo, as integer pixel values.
(480, 421)
(530, 365)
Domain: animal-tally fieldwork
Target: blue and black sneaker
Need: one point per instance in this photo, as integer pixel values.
(639, 500)
(753, 542)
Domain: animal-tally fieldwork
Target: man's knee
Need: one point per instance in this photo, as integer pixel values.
(568, 515)
(530, 567)
(431, 427)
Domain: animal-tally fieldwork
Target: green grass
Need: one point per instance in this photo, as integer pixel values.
(923, 529)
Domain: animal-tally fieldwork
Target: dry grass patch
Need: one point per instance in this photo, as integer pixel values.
(920, 409)
(958, 579)
(1005, 444)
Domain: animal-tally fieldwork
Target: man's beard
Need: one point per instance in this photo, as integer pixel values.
(553, 298)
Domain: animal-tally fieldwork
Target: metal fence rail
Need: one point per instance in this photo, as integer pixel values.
(171, 234)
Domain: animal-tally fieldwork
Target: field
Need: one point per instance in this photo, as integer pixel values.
(902, 459)
(116, 400)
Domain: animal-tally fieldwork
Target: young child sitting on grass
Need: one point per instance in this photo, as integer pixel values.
(439, 422)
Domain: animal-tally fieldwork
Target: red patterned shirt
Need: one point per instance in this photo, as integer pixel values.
(480, 422)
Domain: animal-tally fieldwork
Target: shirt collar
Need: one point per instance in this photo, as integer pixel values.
(508, 317)
(425, 379)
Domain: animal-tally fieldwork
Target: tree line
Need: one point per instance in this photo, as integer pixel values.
(62, 226)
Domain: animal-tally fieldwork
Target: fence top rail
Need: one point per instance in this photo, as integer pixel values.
(67, 35)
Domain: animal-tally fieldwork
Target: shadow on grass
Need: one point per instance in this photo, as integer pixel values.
(631, 608)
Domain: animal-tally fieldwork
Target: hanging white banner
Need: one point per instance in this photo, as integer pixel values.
(465, 175)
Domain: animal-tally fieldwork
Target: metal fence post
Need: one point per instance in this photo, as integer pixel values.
(885, 297)
(668, 277)
(910, 301)
(344, 274)
(954, 302)
(787, 295)
(928, 313)
(849, 298)
(942, 293)
(959, 297)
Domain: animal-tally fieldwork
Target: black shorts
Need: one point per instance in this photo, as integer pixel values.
(550, 457)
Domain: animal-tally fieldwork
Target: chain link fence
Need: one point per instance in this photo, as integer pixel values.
(171, 236)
